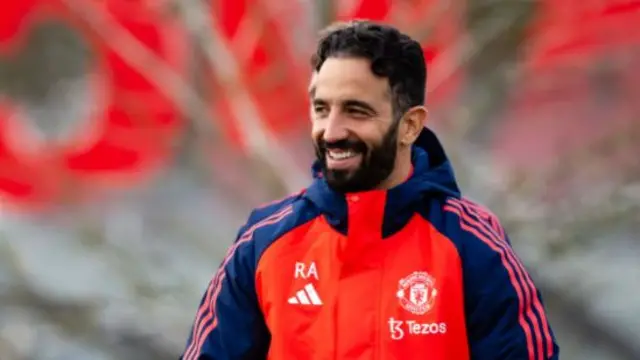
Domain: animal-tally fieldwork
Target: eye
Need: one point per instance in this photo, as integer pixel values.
(319, 109)
(356, 112)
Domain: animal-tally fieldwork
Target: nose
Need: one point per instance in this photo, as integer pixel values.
(335, 129)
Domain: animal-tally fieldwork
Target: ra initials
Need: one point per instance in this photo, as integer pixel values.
(302, 271)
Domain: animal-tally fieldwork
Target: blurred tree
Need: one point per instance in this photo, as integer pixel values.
(499, 28)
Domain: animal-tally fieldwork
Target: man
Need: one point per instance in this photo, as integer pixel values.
(380, 257)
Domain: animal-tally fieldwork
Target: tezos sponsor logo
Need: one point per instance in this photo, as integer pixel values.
(399, 328)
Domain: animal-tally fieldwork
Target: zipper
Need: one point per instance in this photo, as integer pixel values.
(336, 304)
(379, 343)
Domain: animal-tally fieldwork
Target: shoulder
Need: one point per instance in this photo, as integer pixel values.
(475, 230)
(269, 222)
(472, 216)
(273, 208)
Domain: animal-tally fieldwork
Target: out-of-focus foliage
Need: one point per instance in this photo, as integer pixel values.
(535, 101)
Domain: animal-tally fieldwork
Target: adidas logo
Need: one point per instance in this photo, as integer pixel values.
(306, 296)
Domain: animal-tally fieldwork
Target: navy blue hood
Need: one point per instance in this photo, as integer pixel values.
(432, 176)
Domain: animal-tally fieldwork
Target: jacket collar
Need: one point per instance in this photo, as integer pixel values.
(432, 176)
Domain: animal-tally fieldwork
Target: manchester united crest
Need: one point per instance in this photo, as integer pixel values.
(417, 292)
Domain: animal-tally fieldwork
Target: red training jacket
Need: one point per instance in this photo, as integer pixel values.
(414, 272)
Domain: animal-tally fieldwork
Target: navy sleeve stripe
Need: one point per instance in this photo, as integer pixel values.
(206, 320)
(483, 216)
(456, 207)
(473, 223)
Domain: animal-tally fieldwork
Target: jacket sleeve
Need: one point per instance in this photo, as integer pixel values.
(229, 324)
(506, 319)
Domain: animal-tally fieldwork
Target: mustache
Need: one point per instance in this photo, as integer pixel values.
(345, 144)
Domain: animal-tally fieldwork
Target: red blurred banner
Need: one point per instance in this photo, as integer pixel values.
(580, 82)
(129, 135)
(131, 132)
(573, 32)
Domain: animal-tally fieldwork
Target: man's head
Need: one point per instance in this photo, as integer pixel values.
(367, 94)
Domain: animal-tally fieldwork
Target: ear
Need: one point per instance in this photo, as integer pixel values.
(411, 124)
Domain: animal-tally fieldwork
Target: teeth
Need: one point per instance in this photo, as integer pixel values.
(341, 155)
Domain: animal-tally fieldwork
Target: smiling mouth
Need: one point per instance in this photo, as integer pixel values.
(339, 159)
(341, 154)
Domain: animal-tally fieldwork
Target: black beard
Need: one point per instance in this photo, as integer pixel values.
(377, 163)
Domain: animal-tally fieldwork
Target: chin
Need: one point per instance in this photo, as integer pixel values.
(339, 175)
(343, 172)
(345, 182)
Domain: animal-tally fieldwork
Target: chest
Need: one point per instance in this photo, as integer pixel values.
(325, 295)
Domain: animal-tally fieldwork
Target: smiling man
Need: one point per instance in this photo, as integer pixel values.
(354, 128)
(380, 257)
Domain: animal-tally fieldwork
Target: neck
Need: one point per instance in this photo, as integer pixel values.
(401, 171)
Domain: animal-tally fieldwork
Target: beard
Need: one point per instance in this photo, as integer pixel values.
(377, 163)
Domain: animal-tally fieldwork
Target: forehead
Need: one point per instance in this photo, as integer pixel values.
(348, 78)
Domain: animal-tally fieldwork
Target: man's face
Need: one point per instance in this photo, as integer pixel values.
(354, 133)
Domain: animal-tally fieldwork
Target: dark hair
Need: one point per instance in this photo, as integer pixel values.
(393, 55)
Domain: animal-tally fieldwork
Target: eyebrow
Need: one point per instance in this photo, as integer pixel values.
(359, 104)
(350, 103)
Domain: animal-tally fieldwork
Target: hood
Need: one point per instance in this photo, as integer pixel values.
(432, 176)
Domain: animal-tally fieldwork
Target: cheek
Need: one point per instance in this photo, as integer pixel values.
(316, 132)
(316, 139)
(372, 138)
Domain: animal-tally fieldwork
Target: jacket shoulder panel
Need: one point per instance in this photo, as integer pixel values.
(228, 320)
(267, 209)
(270, 222)
(494, 274)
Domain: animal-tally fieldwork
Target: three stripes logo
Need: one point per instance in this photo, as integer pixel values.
(307, 296)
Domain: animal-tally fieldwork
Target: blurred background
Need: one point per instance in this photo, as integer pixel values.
(136, 135)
